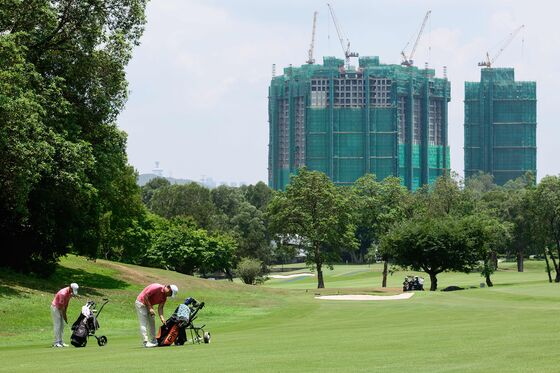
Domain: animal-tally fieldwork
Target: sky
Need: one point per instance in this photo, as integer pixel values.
(198, 83)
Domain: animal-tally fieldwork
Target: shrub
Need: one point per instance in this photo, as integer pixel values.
(250, 271)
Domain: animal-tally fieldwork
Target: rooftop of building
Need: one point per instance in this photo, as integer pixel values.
(365, 64)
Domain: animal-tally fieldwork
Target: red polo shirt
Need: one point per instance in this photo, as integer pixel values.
(155, 292)
(62, 298)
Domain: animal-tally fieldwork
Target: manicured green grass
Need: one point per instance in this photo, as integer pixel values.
(280, 327)
(364, 276)
(24, 301)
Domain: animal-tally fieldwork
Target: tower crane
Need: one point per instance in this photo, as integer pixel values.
(490, 60)
(408, 60)
(310, 59)
(341, 37)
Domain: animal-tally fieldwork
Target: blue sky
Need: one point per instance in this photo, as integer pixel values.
(198, 82)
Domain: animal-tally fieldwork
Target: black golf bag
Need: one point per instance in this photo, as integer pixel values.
(86, 325)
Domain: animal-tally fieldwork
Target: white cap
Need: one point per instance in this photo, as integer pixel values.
(75, 288)
(174, 290)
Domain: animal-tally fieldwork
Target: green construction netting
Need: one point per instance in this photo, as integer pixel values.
(348, 170)
(500, 125)
(347, 142)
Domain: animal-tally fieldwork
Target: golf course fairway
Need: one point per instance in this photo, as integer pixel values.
(281, 327)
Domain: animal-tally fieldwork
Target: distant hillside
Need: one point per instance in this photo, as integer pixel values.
(144, 178)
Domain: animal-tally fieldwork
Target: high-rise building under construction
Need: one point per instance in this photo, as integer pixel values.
(346, 122)
(500, 125)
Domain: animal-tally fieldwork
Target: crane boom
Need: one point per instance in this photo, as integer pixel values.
(341, 37)
(490, 60)
(408, 61)
(310, 59)
(339, 33)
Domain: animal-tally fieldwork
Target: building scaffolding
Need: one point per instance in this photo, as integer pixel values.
(500, 125)
(390, 120)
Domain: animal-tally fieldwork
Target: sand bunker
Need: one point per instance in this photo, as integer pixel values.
(292, 276)
(366, 297)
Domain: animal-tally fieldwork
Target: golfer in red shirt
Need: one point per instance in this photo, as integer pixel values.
(59, 305)
(151, 295)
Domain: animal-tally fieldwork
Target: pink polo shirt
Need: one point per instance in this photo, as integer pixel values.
(62, 298)
(155, 292)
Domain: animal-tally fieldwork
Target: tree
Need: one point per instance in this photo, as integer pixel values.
(546, 201)
(515, 206)
(42, 181)
(219, 255)
(258, 195)
(183, 247)
(184, 200)
(436, 245)
(249, 227)
(136, 239)
(366, 197)
(443, 200)
(494, 235)
(283, 252)
(480, 184)
(151, 186)
(446, 197)
(312, 211)
(242, 220)
(124, 216)
(377, 207)
(226, 200)
(62, 73)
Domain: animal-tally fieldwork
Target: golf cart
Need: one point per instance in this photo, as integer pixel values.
(413, 283)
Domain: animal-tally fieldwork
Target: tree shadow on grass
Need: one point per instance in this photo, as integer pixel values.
(6, 291)
(11, 281)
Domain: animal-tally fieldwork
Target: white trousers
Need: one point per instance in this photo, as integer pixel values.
(58, 324)
(147, 323)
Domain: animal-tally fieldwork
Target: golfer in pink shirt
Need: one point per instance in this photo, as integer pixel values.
(151, 295)
(59, 305)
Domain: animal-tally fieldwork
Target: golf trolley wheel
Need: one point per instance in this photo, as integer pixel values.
(102, 341)
(206, 337)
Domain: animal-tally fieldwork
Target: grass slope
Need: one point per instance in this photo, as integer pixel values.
(281, 327)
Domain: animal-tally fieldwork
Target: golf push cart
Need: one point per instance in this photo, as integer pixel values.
(86, 325)
(176, 328)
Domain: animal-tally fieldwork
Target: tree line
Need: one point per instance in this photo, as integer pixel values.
(450, 225)
(192, 228)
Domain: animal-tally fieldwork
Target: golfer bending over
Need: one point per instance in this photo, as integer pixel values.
(151, 295)
(59, 305)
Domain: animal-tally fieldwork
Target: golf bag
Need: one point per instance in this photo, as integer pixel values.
(86, 325)
(169, 332)
(174, 331)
